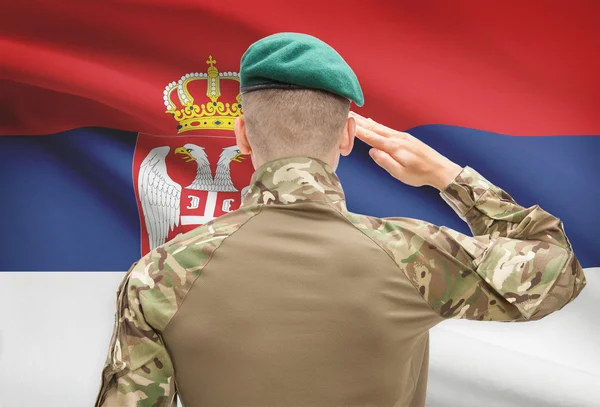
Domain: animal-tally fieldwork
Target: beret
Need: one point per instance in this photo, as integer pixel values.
(297, 61)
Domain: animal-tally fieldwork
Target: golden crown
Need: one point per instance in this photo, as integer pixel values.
(212, 115)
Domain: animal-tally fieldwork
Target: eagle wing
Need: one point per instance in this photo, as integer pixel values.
(223, 182)
(160, 196)
(204, 179)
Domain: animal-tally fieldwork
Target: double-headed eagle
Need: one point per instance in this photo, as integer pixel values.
(160, 195)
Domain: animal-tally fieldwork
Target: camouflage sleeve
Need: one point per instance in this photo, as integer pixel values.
(138, 370)
(488, 210)
(525, 263)
(519, 265)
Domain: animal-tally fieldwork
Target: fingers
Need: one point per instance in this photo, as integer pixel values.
(379, 128)
(389, 145)
(369, 124)
(387, 162)
(372, 138)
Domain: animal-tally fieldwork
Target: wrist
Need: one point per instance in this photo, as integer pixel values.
(445, 175)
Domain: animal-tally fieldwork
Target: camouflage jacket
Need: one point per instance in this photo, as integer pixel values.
(519, 266)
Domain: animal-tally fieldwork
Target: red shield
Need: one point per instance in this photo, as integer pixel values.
(182, 182)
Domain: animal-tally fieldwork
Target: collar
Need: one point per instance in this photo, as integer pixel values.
(295, 179)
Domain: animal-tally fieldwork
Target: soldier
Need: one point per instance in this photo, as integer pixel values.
(294, 301)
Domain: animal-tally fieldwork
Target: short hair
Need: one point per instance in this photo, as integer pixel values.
(299, 122)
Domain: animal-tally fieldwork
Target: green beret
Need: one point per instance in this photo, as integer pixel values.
(297, 61)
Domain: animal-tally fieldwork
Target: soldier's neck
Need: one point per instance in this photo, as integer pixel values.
(331, 159)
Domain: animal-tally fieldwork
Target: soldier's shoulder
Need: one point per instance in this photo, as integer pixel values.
(403, 239)
(386, 229)
(399, 236)
(163, 277)
(216, 229)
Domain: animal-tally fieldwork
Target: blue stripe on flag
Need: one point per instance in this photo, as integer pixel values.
(68, 200)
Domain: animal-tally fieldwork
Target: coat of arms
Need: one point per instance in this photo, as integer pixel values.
(185, 180)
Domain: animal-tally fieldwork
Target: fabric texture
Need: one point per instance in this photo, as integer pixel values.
(296, 61)
(293, 289)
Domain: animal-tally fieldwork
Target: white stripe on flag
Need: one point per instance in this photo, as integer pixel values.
(55, 329)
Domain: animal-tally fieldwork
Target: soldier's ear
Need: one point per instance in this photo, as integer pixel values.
(241, 137)
(347, 139)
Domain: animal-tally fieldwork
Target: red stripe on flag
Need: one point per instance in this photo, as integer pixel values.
(514, 67)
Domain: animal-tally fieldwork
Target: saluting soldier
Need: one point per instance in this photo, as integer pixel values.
(292, 300)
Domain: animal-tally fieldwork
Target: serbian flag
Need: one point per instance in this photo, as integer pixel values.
(116, 120)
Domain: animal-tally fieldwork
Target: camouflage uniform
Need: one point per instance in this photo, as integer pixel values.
(265, 322)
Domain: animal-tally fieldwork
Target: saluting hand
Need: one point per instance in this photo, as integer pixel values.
(406, 158)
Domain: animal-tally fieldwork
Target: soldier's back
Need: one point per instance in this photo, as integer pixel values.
(299, 307)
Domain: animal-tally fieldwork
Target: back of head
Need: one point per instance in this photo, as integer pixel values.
(296, 92)
(294, 122)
